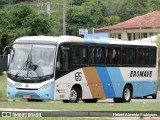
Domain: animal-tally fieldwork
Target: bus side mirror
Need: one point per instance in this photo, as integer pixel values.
(4, 59)
(3, 63)
(7, 47)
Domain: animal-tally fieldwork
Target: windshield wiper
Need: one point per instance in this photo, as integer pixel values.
(25, 64)
(28, 65)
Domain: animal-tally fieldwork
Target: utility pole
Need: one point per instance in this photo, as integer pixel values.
(64, 17)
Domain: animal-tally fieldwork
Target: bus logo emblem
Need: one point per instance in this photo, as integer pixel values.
(78, 76)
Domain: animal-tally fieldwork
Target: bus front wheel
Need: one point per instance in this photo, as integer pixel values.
(74, 95)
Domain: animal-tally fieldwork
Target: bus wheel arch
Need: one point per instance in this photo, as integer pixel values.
(126, 94)
(75, 93)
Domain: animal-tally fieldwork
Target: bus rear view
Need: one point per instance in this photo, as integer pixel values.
(31, 69)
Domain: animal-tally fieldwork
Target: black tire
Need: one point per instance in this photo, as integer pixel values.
(145, 97)
(74, 95)
(127, 94)
(90, 100)
(118, 100)
(34, 100)
(65, 101)
(154, 96)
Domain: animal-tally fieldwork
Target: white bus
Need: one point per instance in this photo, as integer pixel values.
(71, 68)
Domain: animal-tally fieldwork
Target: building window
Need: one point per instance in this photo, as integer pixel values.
(144, 35)
(134, 36)
(119, 36)
(129, 36)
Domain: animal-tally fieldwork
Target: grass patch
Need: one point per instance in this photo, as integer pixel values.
(159, 78)
(57, 105)
(3, 84)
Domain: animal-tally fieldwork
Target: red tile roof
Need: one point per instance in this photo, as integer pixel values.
(149, 20)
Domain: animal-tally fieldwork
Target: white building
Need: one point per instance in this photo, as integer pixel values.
(135, 28)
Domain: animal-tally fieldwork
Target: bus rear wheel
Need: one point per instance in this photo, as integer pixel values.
(154, 96)
(90, 100)
(126, 96)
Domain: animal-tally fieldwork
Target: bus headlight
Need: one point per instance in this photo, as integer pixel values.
(45, 86)
(10, 84)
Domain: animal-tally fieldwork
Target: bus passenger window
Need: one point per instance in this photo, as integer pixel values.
(65, 60)
(62, 60)
(146, 56)
(152, 57)
(132, 56)
(109, 55)
(117, 56)
(97, 55)
(125, 55)
(139, 56)
(113, 55)
(79, 55)
(143, 56)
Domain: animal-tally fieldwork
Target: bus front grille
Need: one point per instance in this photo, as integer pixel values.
(31, 94)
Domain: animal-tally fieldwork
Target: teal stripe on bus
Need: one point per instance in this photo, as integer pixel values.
(110, 78)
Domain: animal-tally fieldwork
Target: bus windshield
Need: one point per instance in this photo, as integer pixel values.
(32, 60)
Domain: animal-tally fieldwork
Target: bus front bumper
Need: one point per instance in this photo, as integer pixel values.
(41, 94)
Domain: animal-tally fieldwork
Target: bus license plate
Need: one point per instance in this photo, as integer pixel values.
(26, 96)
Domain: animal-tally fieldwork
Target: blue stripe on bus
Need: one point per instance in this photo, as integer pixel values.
(95, 41)
(110, 78)
(89, 41)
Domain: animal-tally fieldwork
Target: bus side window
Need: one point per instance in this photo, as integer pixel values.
(97, 55)
(139, 56)
(125, 55)
(146, 56)
(109, 55)
(152, 57)
(79, 55)
(143, 56)
(132, 56)
(63, 60)
(113, 55)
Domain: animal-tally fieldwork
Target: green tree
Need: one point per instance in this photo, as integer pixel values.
(22, 20)
(153, 5)
(39, 26)
(85, 16)
(111, 20)
(77, 2)
(132, 8)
